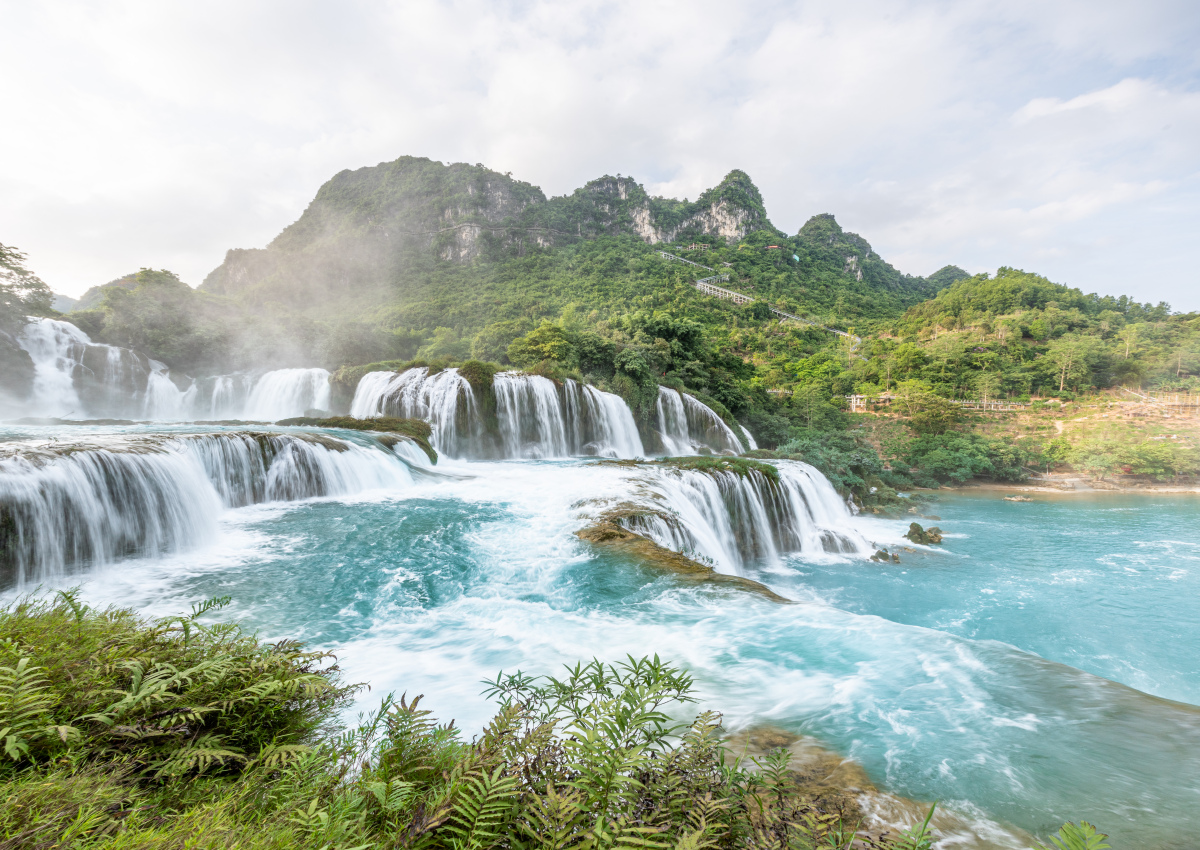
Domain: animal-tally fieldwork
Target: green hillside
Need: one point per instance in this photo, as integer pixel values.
(395, 252)
(417, 261)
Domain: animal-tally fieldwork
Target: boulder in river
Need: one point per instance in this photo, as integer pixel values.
(924, 536)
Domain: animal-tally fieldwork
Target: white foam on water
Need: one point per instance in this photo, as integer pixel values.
(139, 496)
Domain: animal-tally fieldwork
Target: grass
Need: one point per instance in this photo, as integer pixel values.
(121, 732)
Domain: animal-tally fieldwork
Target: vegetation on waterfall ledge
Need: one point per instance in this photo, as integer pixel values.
(417, 430)
(742, 466)
(121, 732)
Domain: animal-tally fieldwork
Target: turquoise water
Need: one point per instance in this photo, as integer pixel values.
(1104, 582)
(1035, 668)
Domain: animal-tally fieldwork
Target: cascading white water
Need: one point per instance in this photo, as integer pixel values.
(541, 419)
(685, 425)
(751, 445)
(149, 496)
(532, 423)
(731, 519)
(164, 400)
(613, 431)
(415, 394)
(56, 349)
(534, 416)
(286, 393)
(77, 378)
(225, 398)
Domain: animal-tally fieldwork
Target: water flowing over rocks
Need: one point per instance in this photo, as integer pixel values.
(63, 507)
(730, 514)
(686, 426)
(533, 417)
(75, 378)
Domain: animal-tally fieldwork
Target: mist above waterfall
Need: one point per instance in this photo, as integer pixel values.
(75, 378)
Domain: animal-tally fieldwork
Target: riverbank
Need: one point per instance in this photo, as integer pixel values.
(1057, 484)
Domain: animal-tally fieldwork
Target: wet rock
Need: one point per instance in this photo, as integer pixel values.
(608, 534)
(924, 536)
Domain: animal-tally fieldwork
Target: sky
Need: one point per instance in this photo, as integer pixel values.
(1056, 137)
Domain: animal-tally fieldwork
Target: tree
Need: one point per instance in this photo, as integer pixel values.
(927, 413)
(988, 385)
(1072, 356)
(22, 293)
(546, 342)
(811, 402)
(1128, 335)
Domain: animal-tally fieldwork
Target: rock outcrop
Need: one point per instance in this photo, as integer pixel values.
(924, 536)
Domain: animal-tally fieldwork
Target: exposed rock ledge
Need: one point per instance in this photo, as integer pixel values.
(608, 534)
(825, 782)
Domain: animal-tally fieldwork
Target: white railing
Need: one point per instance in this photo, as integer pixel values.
(689, 262)
(705, 285)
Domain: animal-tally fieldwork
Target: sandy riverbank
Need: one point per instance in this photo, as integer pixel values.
(1058, 484)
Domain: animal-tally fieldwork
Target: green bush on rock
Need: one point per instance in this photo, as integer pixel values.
(416, 430)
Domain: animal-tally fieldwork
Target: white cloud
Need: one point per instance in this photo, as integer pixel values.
(1058, 138)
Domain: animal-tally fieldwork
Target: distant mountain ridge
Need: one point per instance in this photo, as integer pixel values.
(363, 224)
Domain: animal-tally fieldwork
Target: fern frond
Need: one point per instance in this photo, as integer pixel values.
(1081, 837)
(554, 820)
(25, 704)
(480, 809)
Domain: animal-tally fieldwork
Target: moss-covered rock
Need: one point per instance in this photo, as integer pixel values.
(479, 375)
(924, 536)
(742, 466)
(607, 533)
(415, 429)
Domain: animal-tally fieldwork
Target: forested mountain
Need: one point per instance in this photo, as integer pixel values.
(412, 246)
(414, 259)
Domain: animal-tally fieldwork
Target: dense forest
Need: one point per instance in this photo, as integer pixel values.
(414, 260)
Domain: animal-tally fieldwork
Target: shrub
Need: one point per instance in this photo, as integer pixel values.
(184, 734)
(960, 457)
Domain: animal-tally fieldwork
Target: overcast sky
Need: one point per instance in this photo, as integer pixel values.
(1062, 138)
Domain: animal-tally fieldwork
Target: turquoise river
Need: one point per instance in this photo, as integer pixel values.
(1038, 666)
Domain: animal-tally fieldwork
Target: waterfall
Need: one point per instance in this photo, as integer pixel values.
(285, 393)
(76, 377)
(223, 397)
(751, 445)
(613, 432)
(531, 417)
(61, 511)
(441, 399)
(164, 400)
(731, 520)
(685, 425)
(534, 417)
(56, 349)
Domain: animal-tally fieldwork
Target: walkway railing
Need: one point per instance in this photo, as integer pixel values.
(859, 403)
(689, 262)
(706, 286)
(1167, 399)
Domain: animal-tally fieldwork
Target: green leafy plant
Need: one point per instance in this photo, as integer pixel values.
(1081, 836)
